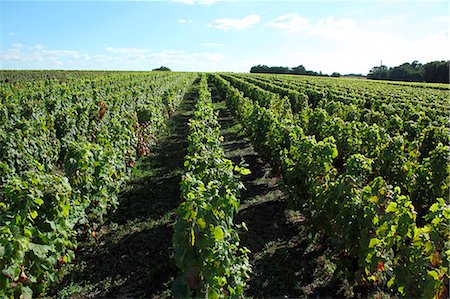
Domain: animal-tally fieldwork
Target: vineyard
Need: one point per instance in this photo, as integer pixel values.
(220, 185)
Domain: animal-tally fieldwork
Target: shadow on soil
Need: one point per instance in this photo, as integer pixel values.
(132, 254)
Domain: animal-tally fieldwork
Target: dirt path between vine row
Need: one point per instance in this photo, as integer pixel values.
(285, 263)
(132, 254)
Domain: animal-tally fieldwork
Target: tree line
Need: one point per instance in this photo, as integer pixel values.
(436, 72)
(433, 72)
(298, 70)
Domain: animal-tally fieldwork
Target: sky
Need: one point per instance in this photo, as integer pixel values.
(210, 35)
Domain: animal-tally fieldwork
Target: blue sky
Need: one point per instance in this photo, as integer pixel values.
(211, 35)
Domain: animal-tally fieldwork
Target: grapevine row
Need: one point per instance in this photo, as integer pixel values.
(206, 241)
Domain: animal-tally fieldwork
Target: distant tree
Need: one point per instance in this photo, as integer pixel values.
(335, 74)
(379, 72)
(298, 70)
(280, 70)
(163, 69)
(407, 72)
(260, 69)
(437, 71)
(354, 75)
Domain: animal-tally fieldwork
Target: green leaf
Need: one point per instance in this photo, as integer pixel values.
(375, 220)
(245, 171)
(434, 274)
(27, 293)
(401, 290)
(373, 242)
(201, 222)
(218, 233)
(13, 270)
(435, 221)
(391, 282)
(38, 201)
(373, 198)
(446, 213)
(213, 294)
(33, 214)
(27, 232)
(434, 207)
(392, 207)
(39, 250)
(335, 153)
(369, 259)
(65, 210)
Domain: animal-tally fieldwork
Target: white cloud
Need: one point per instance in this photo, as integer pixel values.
(291, 21)
(17, 46)
(12, 54)
(337, 29)
(379, 22)
(38, 47)
(227, 23)
(39, 55)
(20, 56)
(207, 2)
(184, 21)
(211, 45)
(186, 60)
(441, 19)
(60, 53)
(127, 50)
(12, 33)
(192, 2)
